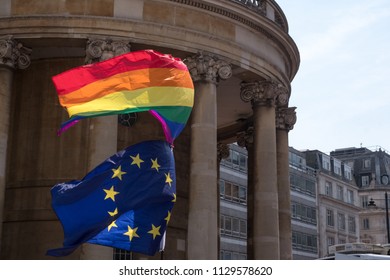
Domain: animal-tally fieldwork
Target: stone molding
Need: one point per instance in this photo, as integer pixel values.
(245, 138)
(207, 68)
(100, 50)
(286, 118)
(223, 151)
(264, 93)
(13, 54)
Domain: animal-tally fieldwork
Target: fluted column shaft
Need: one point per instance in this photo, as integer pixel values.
(285, 120)
(12, 56)
(264, 95)
(202, 236)
(103, 131)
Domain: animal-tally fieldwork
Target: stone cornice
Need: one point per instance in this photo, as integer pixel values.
(13, 54)
(203, 67)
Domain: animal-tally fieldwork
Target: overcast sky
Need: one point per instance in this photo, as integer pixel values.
(342, 89)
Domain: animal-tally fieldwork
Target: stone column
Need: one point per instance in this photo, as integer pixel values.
(102, 131)
(245, 139)
(263, 96)
(202, 235)
(12, 56)
(285, 120)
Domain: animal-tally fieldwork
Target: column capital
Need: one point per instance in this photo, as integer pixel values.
(245, 138)
(286, 118)
(203, 67)
(223, 151)
(103, 49)
(13, 54)
(266, 93)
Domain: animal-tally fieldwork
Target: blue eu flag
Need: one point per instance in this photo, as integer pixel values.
(125, 202)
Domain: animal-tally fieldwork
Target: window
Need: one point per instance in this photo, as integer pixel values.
(302, 185)
(120, 254)
(367, 163)
(351, 224)
(366, 223)
(236, 160)
(365, 180)
(221, 188)
(232, 192)
(328, 189)
(329, 218)
(330, 241)
(347, 172)
(350, 197)
(364, 201)
(337, 166)
(304, 213)
(233, 226)
(229, 255)
(340, 193)
(326, 162)
(304, 242)
(341, 221)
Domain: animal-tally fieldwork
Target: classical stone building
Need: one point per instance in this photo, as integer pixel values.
(338, 201)
(242, 62)
(371, 170)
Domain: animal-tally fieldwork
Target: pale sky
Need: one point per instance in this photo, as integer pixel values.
(342, 89)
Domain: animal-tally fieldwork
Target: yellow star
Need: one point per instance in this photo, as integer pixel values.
(155, 231)
(112, 214)
(155, 165)
(113, 224)
(137, 160)
(168, 179)
(110, 193)
(131, 232)
(118, 173)
(168, 217)
(174, 198)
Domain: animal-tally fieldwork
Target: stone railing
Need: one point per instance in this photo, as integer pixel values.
(267, 8)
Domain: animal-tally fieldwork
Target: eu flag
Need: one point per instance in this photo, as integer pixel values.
(125, 202)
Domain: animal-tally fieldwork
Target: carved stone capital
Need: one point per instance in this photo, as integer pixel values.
(245, 138)
(207, 68)
(265, 92)
(100, 50)
(223, 151)
(14, 54)
(286, 118)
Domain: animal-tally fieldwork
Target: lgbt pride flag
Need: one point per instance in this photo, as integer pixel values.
(133, 82)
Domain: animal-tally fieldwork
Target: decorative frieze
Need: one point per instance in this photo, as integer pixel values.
(286, 118)
(207, 68)
(100, 50)
(14, 54)
(264, 92)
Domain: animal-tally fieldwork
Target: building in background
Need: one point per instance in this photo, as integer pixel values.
(337, 200)
(233, 204)
(304, 217)
(371, 170)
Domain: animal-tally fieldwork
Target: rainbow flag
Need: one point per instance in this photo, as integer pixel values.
(133, 82)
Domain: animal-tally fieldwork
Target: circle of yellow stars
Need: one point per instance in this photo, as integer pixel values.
(111, 193)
